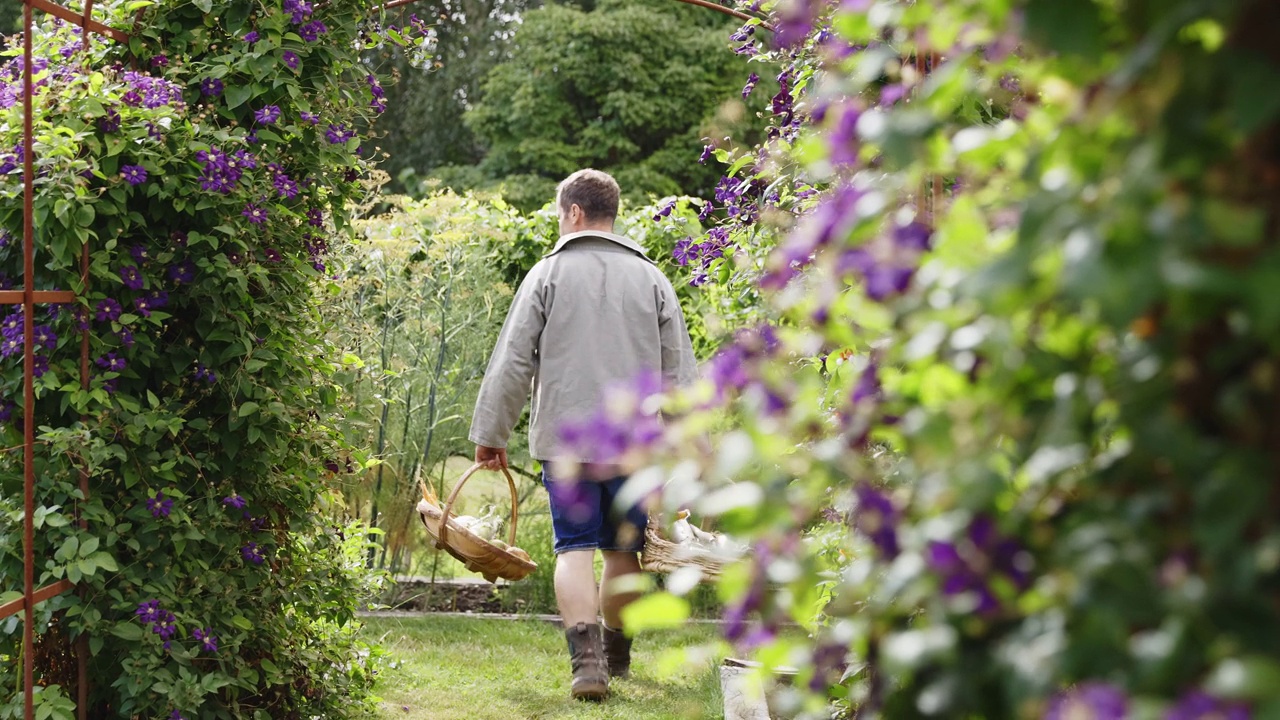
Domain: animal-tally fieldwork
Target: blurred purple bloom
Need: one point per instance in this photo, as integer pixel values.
(151, 301)
(12, 325)
(111, 362)
(132, 277)
(286, 186)
(44, 336)
(794, 22)
(251, 37)
(1198, 705)
(267, 115)
(159, 505)
(685, 251)
(913, 236)
(312, 31)
(251, 553)
(338, 134)
(211, 87)
(182, 272)
(706, 154)
(204, 373)
(256, 215)
(108, 123)
(842, 140)
(148, 611)
(966, 565)
(208, 641)
(891, 94)
(751, 85)
(830, 659)
(234, 500)
(134, 174)
(291, 59)
(876, 517)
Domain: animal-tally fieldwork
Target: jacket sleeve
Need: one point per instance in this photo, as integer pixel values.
(678, 364)
(509, 377)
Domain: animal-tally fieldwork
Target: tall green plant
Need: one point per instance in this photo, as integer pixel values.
(421, 308)
(208, 164)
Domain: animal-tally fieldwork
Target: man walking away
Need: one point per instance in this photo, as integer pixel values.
(595, 311)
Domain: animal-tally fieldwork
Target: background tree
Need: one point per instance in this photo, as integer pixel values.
(423, 124)
(627, 87)
(10, 17)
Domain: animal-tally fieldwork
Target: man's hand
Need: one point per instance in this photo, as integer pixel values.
(491, 458)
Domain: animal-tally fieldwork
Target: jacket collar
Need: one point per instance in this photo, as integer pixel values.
(622, 240)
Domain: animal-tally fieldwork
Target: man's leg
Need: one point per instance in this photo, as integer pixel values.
(623, 567)
(618, 588)
(576, 518)
(575, 582)
(621, 540)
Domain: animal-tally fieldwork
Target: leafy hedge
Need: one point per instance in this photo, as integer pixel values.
(208, 164)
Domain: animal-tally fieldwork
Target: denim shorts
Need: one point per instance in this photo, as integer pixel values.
(583, 515)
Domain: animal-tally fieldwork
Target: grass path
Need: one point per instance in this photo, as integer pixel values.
(450, 668)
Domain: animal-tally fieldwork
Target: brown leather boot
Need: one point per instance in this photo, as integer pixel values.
(586, 653)
(617, 653)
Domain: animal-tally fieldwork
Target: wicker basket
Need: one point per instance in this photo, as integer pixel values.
(663, 555)
(478, 554)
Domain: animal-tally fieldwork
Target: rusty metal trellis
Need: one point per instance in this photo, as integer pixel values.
(29, 297)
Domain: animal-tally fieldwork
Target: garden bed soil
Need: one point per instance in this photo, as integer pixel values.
(457, 595)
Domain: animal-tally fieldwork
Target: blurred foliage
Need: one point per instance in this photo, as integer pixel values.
(1028, 248)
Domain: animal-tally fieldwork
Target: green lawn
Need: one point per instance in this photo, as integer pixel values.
(450, 668)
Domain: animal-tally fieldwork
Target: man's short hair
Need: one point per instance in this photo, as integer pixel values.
(594, 191)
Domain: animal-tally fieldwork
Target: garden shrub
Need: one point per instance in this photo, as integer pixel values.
(209, 164)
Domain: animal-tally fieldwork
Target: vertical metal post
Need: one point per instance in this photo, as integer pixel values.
(28, 369)
(82, 642)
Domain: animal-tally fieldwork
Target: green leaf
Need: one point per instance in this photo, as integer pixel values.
(242, 622)
(127, 631)
(89, 546)
(238, 95)
(70, 547)
(204, 5)
(105, 561)
(248, 408)
(657, 611)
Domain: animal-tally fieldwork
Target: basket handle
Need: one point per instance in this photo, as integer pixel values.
(448, 504)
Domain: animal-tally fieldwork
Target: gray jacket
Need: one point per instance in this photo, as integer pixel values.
(593, 312)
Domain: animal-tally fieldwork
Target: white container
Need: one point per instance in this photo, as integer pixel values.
(746, 692)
